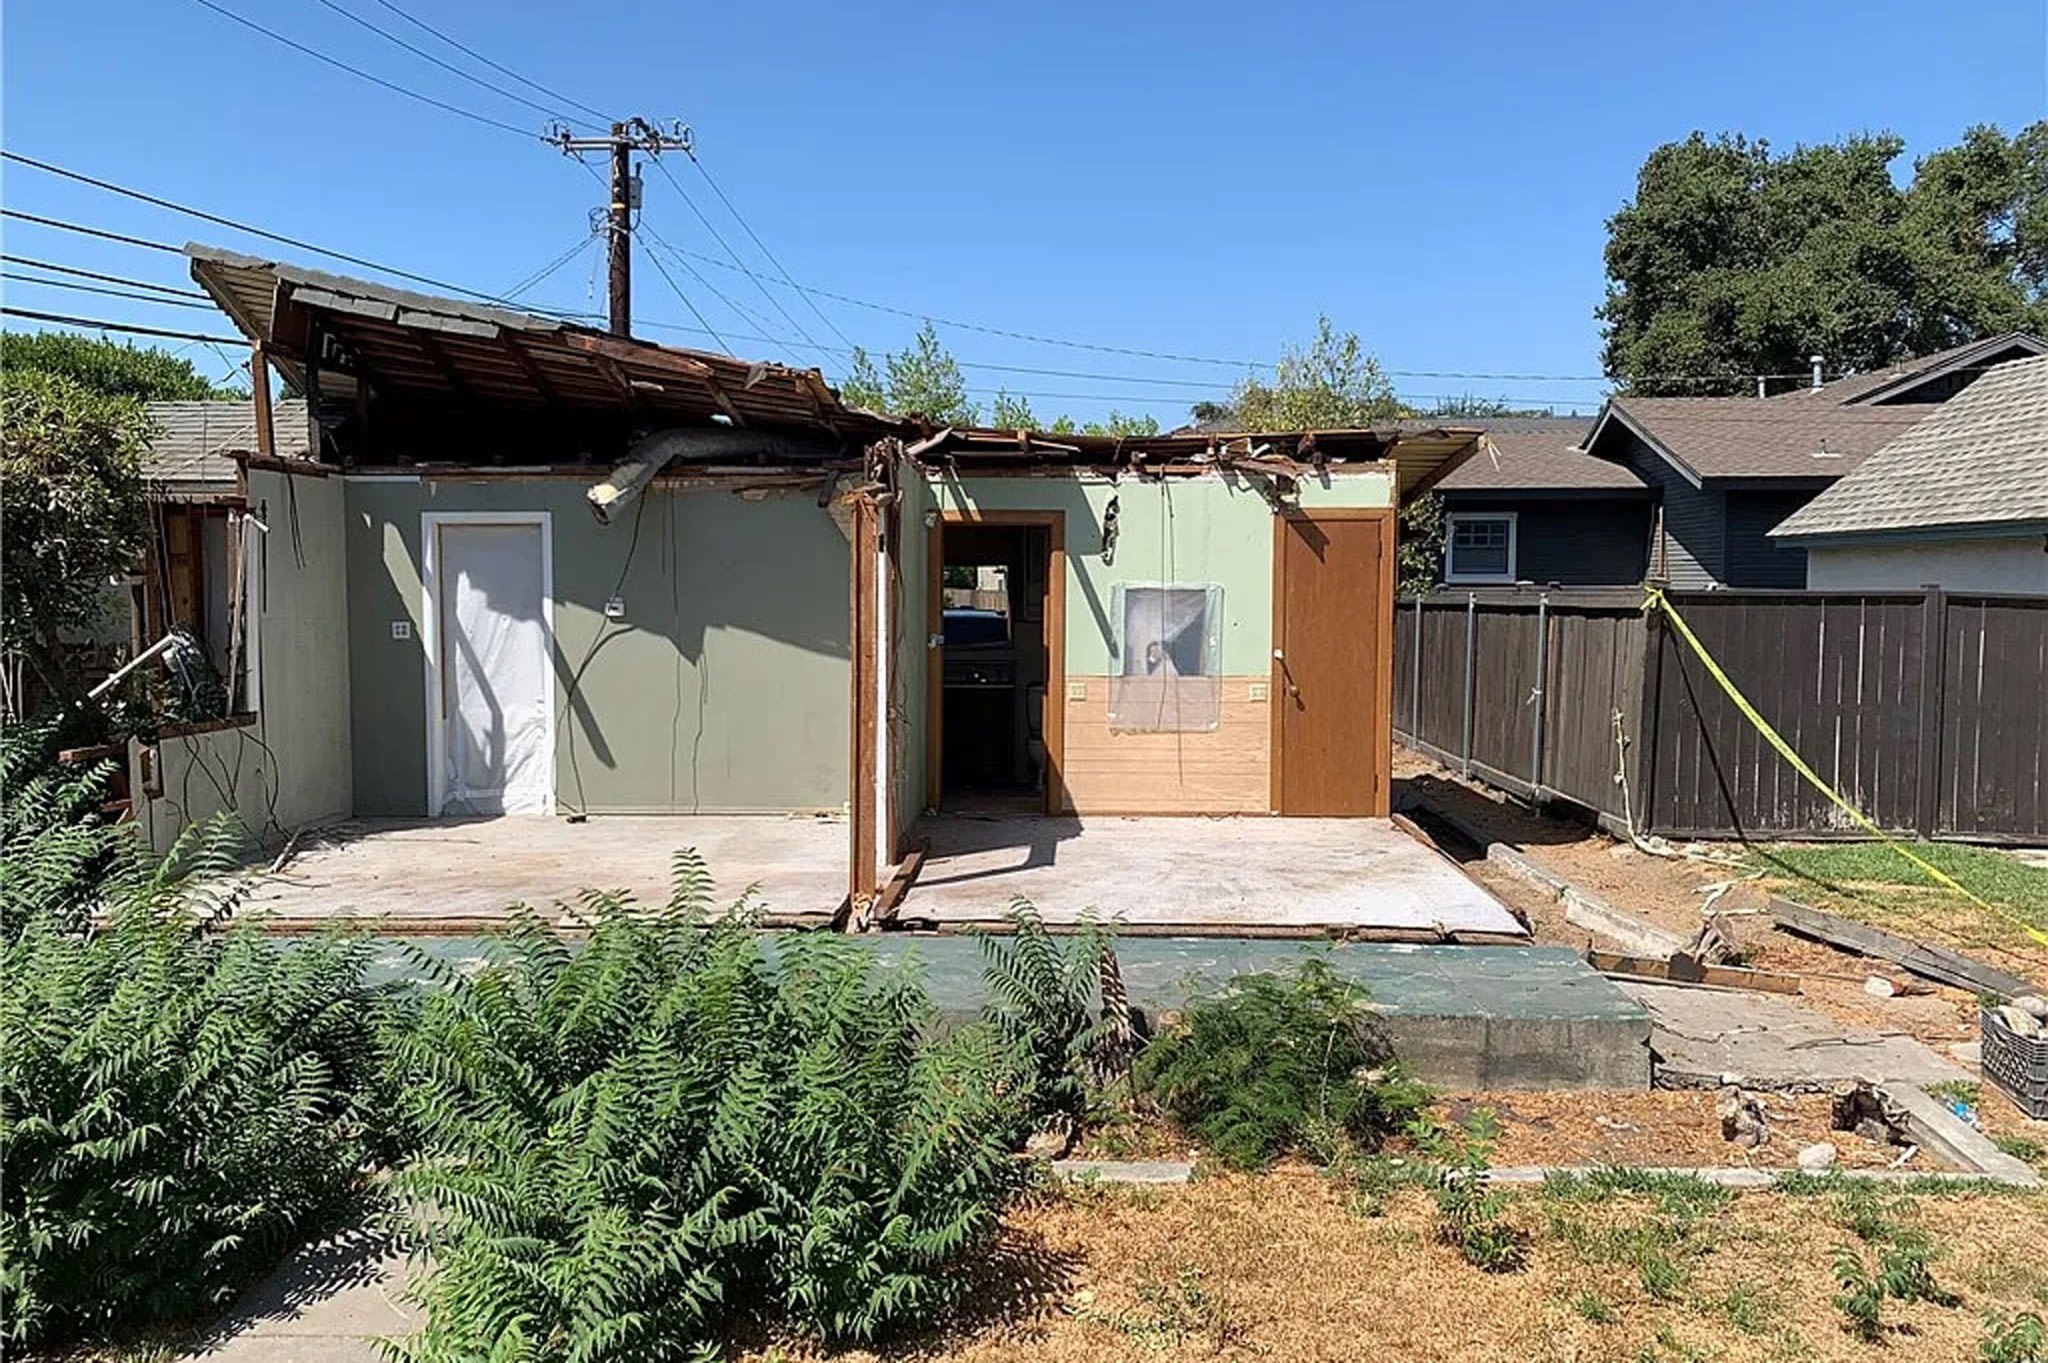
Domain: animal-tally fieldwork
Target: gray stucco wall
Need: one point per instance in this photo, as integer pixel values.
(2004, 564)
(1575, 541)
(723, 689)
(911, 672)
(290, 767)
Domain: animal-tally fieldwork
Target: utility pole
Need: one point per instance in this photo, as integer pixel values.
(625, 138)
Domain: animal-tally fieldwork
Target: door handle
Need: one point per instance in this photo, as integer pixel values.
(1286, 675)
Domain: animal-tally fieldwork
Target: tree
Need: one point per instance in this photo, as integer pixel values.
(1732, 262)
(922, 381)
(71, 512)
(109, 367)
(1331, 385)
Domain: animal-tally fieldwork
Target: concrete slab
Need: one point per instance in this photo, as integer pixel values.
(442, 874)
(329, 1303)
(1772, 1042)
(1250, 873)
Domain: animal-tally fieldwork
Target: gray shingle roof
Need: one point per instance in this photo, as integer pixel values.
(1538, 453)
(193, 443)
(1776, 437)
(1980, 459)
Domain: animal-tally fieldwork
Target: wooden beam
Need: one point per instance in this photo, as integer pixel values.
(259, 389)
(1935, 963)
(1682, 969)
(719, 396)
(611, 348)
(438, 357)
(526, 365)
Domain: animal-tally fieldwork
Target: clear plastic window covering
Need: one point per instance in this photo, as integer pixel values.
(494, 658)
(1479, 546)
(1169, 676)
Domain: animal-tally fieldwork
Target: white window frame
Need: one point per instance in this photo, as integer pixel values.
(1451, 574)
(430, 638)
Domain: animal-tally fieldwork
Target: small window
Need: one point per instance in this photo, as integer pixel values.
(1480, 547)
(1169, 675)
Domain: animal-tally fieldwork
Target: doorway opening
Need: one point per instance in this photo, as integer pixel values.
(997, 664)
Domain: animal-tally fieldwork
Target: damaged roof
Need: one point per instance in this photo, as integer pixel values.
(1422, 455)
(1980, 460)
(353, 330)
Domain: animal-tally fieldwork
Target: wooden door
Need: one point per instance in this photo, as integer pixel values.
(1333, 662)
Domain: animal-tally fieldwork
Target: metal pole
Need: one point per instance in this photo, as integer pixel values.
(1540, 696)
(1471, 640)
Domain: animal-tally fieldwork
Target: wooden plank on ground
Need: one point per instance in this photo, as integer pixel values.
(1683, 969)
(1934, 963)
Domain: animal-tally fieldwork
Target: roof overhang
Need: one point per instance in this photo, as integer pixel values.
(1612, 413)
(1966, 358)
(1900, 534)
(345, 333)
(1420, 459)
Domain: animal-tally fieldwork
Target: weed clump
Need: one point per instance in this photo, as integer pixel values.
(1295, 1061)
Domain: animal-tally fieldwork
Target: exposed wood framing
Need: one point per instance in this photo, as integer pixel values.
(864, 811)
(438, 357)
(1683, 969)
(259, 388)
(1935, 963)
(517, 353)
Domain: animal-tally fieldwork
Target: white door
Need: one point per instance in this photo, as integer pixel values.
(496, 740)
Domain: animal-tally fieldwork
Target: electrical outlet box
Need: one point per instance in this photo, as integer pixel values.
(1256, 691)
(401, 629)
(1077, 690)
(615, 608)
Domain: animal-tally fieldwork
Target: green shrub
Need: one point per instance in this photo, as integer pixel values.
(178, 1107)
(1041, 998)
(59, 856)
(624, 1145)
(1470, 1211)
(1277, 1062)
(1861, 1299)
(2021, 1338)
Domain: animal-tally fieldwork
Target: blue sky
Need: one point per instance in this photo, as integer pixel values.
(1192, 178)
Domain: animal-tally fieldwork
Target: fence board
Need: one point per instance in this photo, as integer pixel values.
(1843, 677)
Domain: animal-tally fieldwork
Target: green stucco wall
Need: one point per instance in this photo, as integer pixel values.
(910, 655)
(723, 689)
(1198, 530)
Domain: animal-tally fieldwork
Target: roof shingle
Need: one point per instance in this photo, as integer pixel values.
(194, 443)
(1774, 437)
(1980, 459)
(1538, 454)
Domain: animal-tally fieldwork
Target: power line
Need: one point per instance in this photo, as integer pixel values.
(95, 274)
(279, 237)
(716, 236)
(763, 246)
(540, 275)
(448, 66)
(471, 52)
(358, 72)
(100, 232)
(103, 289)
(94, 323)
(662, 270)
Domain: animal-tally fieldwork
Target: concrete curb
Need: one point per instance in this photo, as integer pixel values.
(1759, 1180)
(1936, 1128)
(1146, 1172)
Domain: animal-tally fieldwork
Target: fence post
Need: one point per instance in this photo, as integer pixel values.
(1540, 696)
(1933, 677)
(1471, 639)
(1651, 718)
(1415, 680)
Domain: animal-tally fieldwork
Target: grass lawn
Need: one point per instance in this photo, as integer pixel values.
(1872, 882)
(1289, 1266)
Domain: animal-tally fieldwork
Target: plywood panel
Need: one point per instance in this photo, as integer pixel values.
(1223, 771)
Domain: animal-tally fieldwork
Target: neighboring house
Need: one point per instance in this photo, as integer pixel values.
(1959, 501)
(1686, 489)
(751, 622)
(1532, 507)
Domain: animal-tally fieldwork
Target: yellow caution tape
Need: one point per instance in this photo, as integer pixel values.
(1657, 601)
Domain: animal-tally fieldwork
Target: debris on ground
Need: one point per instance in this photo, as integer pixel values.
(1819, 1158)
(1742, 1117)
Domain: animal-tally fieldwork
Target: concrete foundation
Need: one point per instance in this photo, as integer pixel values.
(1251, 873)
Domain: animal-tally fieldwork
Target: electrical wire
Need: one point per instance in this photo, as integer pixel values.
(95, 274)
(726, 246)
(80, 228)
(204, 216)
(548, 269)
(662, 270)
(448, 66)
(158, 299)
(748, 228)
(472, 53)
(63, 320)
(317, 55)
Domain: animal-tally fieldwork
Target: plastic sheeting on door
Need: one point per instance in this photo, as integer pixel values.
(497, 744)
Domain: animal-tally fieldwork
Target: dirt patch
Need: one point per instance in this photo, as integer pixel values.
(1660, 1129)
(1278, 1267)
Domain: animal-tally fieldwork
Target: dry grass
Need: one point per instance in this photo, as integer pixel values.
(1276, 1267)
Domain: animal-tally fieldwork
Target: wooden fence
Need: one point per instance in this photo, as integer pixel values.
(1927, 710)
